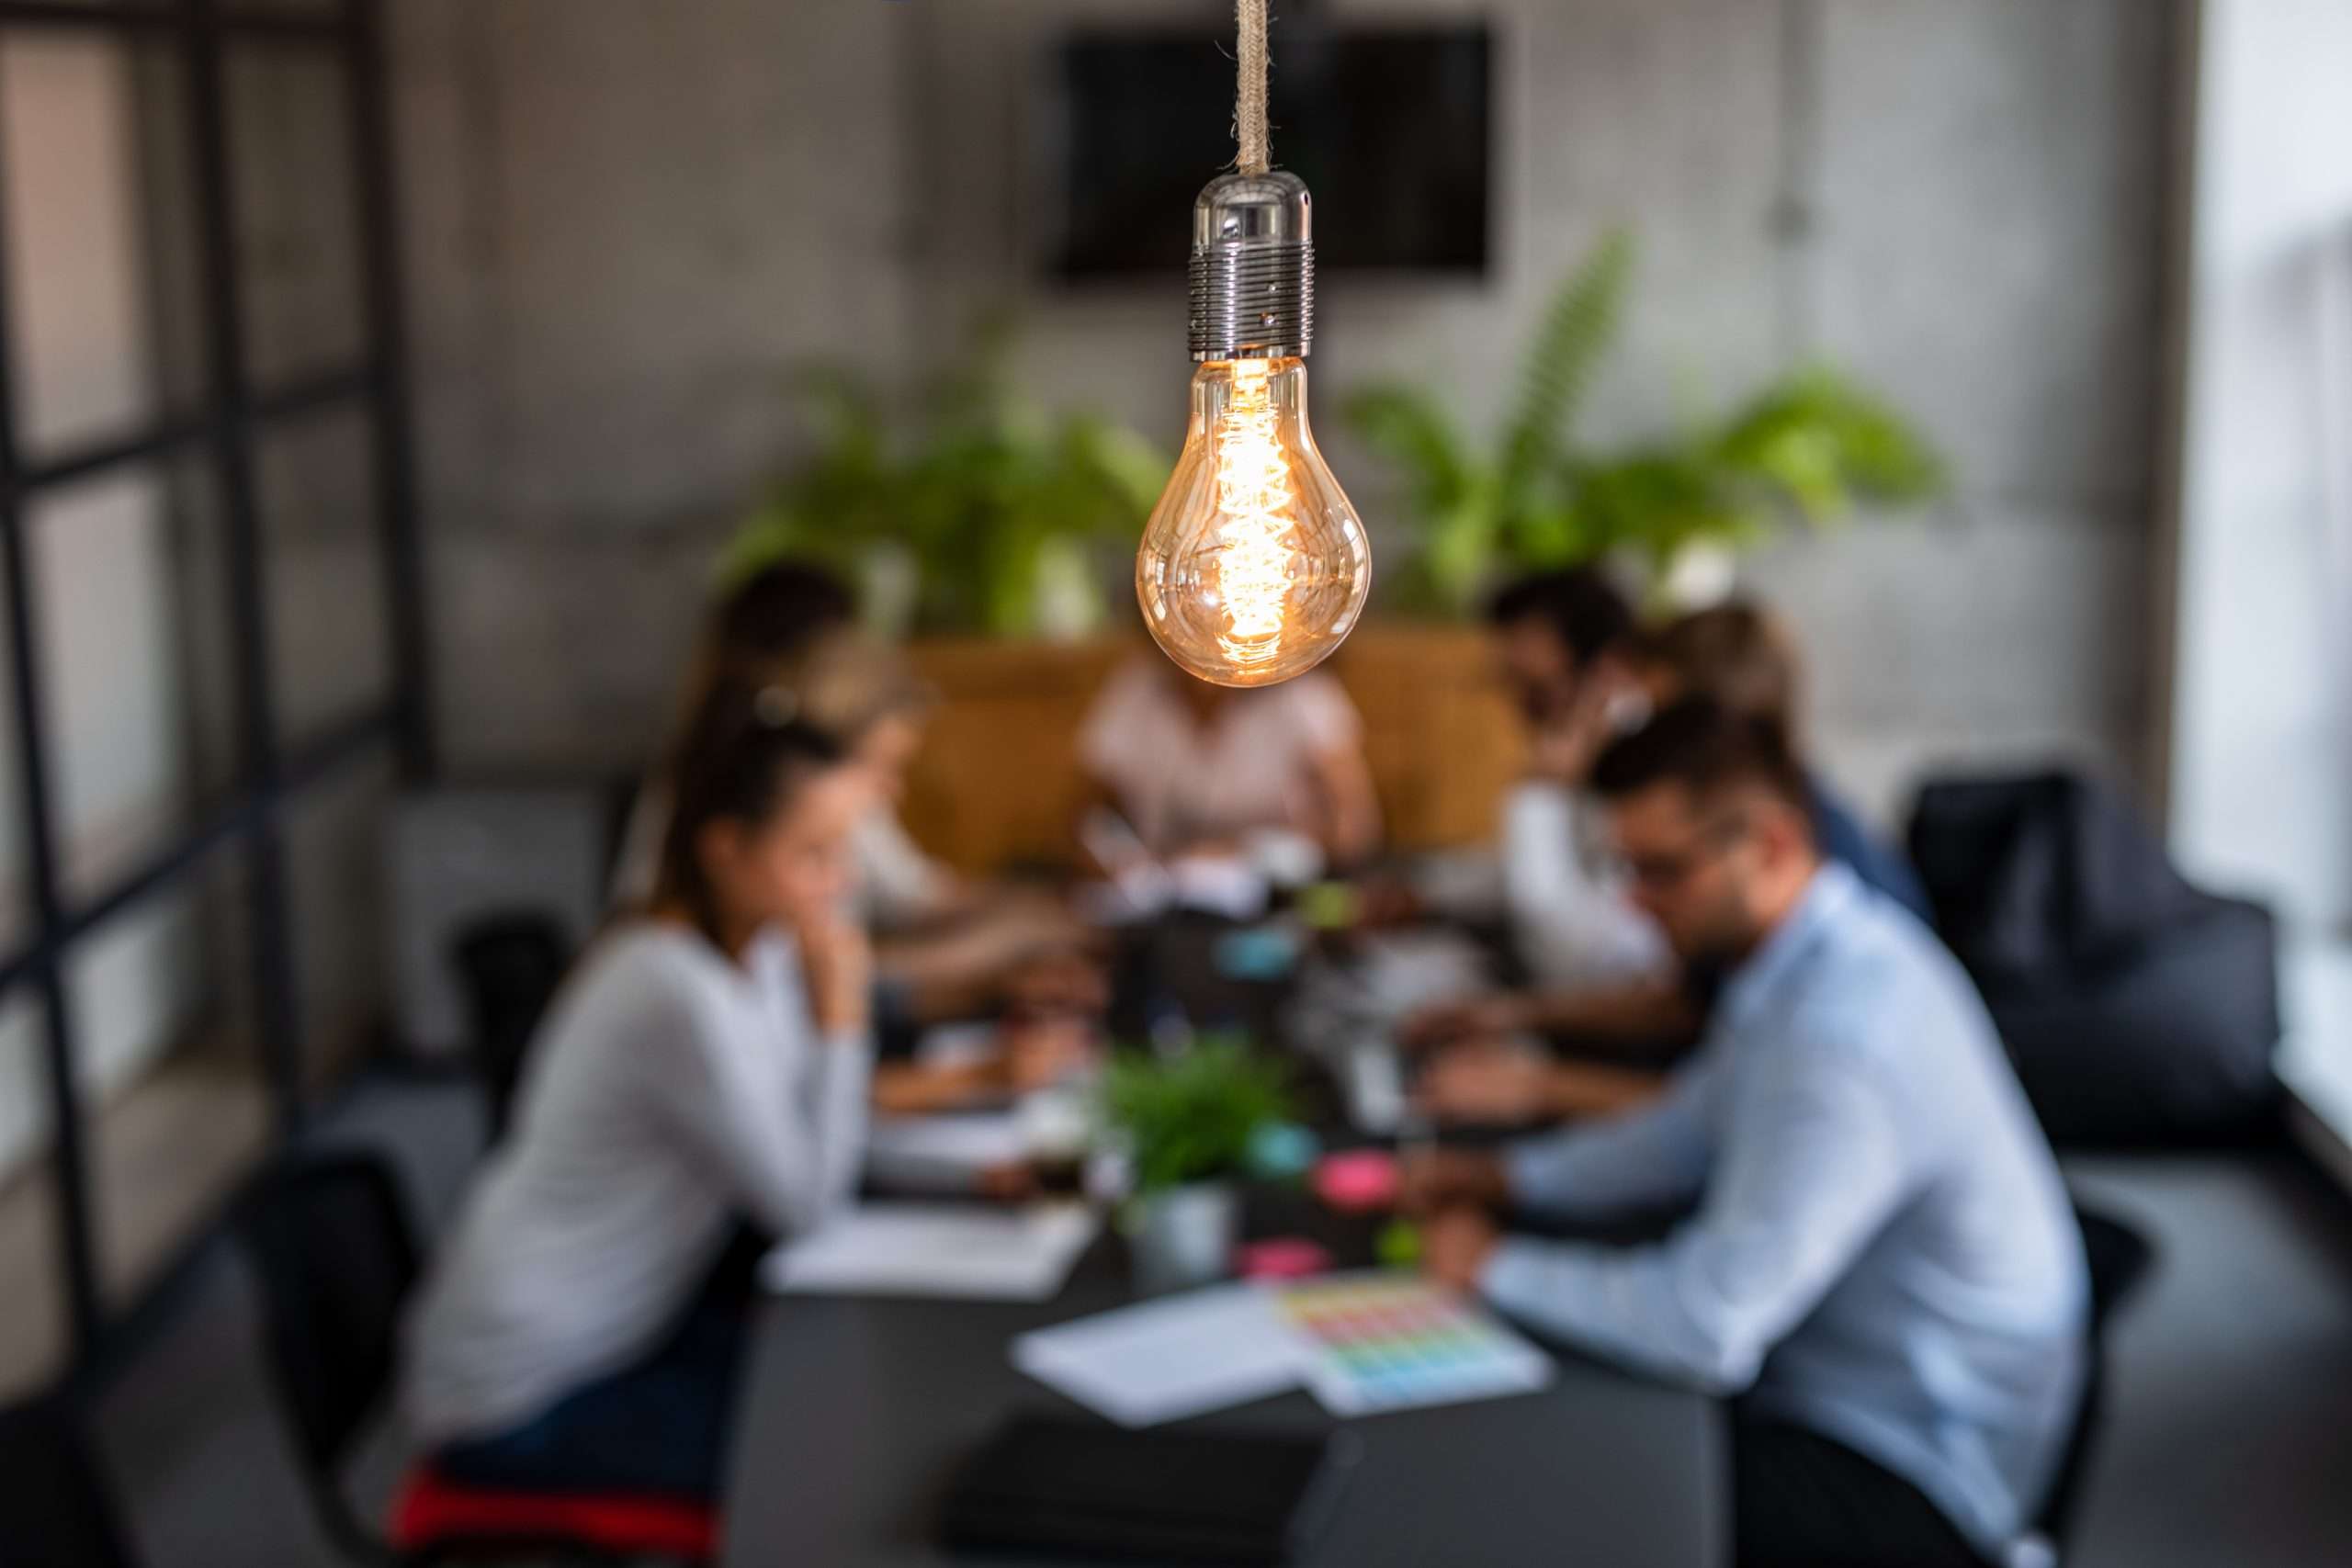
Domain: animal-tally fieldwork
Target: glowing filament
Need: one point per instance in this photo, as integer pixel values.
(1253, 567)
(1255, 558)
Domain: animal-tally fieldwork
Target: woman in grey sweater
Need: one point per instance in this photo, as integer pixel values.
(704, 1071)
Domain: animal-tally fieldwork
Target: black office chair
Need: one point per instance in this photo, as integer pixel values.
(330, 1242)
(2120, 1257)
(55, 1509)
(511, 964)
(330, 1239)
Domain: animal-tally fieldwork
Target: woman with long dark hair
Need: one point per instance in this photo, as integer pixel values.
(703, 1074)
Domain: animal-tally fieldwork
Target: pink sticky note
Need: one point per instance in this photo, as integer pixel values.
(1281, 1257)
(1363, 1179)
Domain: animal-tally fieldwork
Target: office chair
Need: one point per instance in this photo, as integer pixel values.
(511, 964)
(2120, 1258)
(55, 1510)
(330, 1239)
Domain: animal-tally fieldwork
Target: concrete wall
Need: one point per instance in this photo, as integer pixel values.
(1987, 228)
(626, 215)
(625, 218)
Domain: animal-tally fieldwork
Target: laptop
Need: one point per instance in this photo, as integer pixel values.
(1050, 1486)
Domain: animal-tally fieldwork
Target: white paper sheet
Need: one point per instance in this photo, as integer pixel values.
(1219, 885)
(934, 1249)
(1360, 1343)
(1168, 1358)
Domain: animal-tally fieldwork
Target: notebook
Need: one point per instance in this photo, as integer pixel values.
(1164, 1360)
(1361, 1343)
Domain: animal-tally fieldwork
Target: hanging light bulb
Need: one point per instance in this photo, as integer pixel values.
(1254, 567)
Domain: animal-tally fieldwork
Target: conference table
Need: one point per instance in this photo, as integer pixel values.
(855, 1414)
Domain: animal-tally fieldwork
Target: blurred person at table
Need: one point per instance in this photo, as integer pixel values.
(1882, 1264)
(1557, 641)
(965, 947)
(945, 949)
(1195, 768)
(1598, 968)
(1561, 641)
(1743, 656)
(699, 1086)
(769, 620)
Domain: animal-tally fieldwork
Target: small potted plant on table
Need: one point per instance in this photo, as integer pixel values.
(1187, 1121)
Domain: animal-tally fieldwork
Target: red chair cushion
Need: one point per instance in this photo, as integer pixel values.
(431, 1511)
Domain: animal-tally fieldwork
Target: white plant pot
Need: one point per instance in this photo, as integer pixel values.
(1184, 1237)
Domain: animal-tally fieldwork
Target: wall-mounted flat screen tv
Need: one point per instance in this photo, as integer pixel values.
(1390, 127)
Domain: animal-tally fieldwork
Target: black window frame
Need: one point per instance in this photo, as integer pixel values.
(223, 428)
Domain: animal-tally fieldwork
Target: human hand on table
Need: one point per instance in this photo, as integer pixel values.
(1014, 1183)
(1488, 1082)
(1442, 1024)
(1429, 1181)
(1456, 1245)
(1386, 901)
(1045, 1051)
(1067, 983)
(1007, 937)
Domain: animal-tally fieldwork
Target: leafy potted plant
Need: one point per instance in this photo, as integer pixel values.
(961, 507)
(1809, 446)
(1187, 1121)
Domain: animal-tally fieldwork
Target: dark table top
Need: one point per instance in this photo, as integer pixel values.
(857, 1413)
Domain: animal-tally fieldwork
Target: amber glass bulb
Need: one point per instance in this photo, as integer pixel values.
(1253, 567)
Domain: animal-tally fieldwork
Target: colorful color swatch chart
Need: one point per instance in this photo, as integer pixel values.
(1391, 1342)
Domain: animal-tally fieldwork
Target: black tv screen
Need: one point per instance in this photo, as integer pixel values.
(1388, 127)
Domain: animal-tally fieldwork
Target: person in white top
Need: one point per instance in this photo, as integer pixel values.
(1193, 766)
(706, 1069)
(772, 619)
(946, 950)
(951, 948)
(1597, 966)
(1743, 655)
(1560, 639)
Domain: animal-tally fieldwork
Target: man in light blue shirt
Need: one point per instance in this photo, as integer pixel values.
(1882, 1260)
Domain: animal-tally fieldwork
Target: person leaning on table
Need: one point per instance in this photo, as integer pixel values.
(1743, 655)
(1883, 1263)
(702, 1076)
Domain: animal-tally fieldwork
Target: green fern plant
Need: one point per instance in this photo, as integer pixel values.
(1811, 446)
(1190, 1117)
(1474, 510)
(978, 488)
